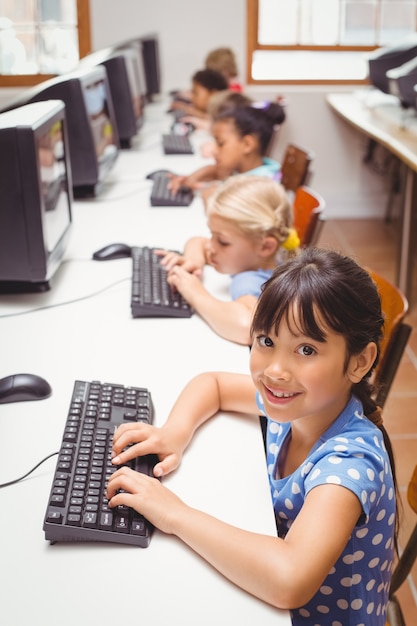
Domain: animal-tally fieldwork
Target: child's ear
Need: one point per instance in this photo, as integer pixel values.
(250, 144)
(361, 363)
(269, 246)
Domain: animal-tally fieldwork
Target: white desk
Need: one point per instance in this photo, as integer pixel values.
(97, 338)
(384, 122)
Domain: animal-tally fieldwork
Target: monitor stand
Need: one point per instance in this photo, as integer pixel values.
(18, 286)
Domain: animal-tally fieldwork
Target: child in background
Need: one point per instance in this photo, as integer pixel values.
(205, 83)
(242, 135)
(250, 221)
(316, 334)
(223, 60)
(221, 101)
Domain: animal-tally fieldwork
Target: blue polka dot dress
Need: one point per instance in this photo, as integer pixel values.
(350, 453)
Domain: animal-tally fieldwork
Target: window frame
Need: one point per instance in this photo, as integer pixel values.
(253, 45)
(84, 47)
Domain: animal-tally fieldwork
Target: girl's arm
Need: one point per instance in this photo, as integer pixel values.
(231, 320)
(198, 180)
(200, 400)
(283, 572)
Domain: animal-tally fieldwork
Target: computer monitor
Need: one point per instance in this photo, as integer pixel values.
(388, 57)
(401, 82)
(127, 88)
(92, 130)
(152, 65)
(35, 195)
(147, 47)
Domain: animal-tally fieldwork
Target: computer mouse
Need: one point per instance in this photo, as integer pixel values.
(152, 175)
(22, 387)
(113, 251)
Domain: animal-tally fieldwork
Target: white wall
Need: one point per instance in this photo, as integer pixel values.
(187, 30)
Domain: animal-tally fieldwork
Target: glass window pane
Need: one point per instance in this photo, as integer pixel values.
(59, 11)
(359, 23)
(20, 12)
(38, 36)
(19, 56)
(324, 23)
(398, 19)
(58, 49)
(307, 65)
(277, 22)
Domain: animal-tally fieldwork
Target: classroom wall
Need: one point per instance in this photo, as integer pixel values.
(187, 30)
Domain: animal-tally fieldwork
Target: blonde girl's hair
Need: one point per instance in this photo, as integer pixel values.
(257, 205)
(222, 60)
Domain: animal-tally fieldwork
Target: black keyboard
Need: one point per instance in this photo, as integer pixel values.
(78, 508)
(162, 196)
(177, 144)
(152, 296)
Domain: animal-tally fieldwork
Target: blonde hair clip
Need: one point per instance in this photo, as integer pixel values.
(292, 242)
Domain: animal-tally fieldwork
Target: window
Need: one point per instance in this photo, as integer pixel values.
(41, 38)
(319, 41)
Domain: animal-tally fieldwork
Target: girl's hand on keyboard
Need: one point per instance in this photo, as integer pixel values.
(171, 259)
(137, 439)
(177, 182)
(187, 284)
(147, 496)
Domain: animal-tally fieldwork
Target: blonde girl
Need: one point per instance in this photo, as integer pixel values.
(250, 220)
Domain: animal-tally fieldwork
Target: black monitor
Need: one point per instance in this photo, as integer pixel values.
(92, 128)
(151, 61)
(401, 83)
(388, 57)
(35, 195)
(127, 88)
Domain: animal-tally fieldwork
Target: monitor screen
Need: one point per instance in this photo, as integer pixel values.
(35, 195)
(123, 74)
(54, 184)
(96, 100)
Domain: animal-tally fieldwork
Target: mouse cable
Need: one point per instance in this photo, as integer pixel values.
(16, 480)
(74, 301)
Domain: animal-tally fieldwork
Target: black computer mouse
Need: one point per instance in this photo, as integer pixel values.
(152, 175)
(21, 387)
(113, 251)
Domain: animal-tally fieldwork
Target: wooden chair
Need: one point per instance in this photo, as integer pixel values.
(308, 208)
(405, 562)
(396, 334)
(295, 167)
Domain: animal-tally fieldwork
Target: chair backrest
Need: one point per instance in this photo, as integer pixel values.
(295, 167)
(396, 333)
(405, 562)
(308, 207)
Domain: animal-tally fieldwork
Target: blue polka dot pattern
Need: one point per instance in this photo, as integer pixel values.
(351, 453)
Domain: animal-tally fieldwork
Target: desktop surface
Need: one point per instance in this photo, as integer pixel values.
(88, 333)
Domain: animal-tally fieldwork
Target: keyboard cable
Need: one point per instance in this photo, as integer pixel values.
(16, 480)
